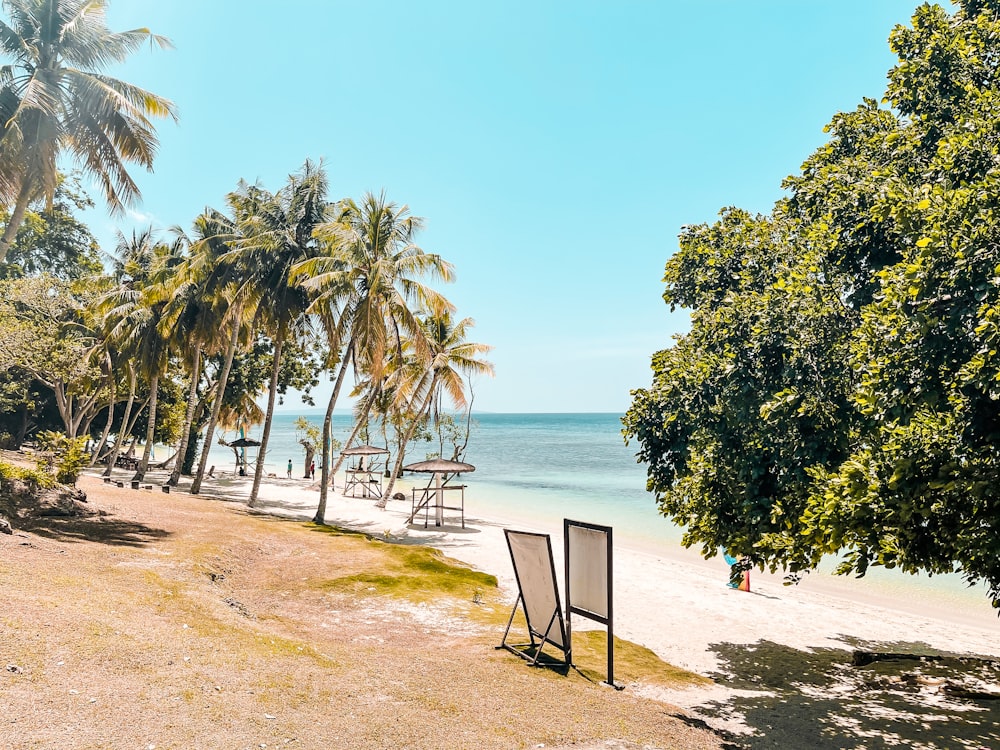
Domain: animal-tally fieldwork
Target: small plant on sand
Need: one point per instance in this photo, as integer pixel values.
(62, 456)
(32, 477)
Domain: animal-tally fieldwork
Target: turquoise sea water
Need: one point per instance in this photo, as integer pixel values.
(537, 466)
(537, 469)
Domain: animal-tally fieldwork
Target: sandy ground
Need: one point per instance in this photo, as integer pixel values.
(160, 621)
(775, 649)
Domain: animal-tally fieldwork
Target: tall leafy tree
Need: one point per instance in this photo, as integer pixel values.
(441, 379)
(42, 339)
(276, 234)
(215, 234)
(837, 390)
(368, 292)
(194, 312)
(54, 99)
(52, 239)
(136, 311)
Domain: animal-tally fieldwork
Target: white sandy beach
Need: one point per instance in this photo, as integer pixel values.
(674, 603)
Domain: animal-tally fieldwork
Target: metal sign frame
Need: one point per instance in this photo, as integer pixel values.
(537, 593)
(606, 618)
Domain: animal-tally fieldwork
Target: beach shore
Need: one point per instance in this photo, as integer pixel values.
(670, 600)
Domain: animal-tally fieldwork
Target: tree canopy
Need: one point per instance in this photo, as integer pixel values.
(839, 388)
(55, 98)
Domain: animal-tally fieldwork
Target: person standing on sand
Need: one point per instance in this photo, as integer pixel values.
(289, 468)
(312, 470)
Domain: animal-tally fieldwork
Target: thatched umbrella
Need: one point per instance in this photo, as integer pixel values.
(241, 456)
(439, 467)
(244, 442)
(363, 451)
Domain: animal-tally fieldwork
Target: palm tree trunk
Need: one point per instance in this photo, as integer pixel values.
(113, 458)
(154, 386)
(361, 421)
(326, 476)
(398, 466)
(192, 403)
(350, 441)
(272, 396)
(220, 391)
(16, 219)
(112, 398)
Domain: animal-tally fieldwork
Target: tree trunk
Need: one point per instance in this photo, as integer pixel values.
(175, 475)
(398, 466)
(16, 219)
(154, 385)
(326, 476)
(112, 398)
(220, 391)
(361, 422)
(22, 428)
(272, 396)
(113, 458)
(63, 405)
(310, 455)
(190, 456)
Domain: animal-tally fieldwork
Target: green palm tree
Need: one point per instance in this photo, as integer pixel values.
(217, 233)
(276, 234)
(367, 293)
(427, 387)
(195, 313)
(54, 99)
(137, 311)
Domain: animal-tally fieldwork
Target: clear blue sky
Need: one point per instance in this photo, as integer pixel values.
(555, 148)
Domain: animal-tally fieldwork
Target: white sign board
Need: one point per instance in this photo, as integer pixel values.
(531, 555)
(589, 585)
(588, 570)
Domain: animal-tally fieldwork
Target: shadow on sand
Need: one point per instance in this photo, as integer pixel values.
(898, 695)
(94, 528)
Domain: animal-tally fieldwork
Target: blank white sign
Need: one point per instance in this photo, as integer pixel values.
(531, 555)
(588, 570)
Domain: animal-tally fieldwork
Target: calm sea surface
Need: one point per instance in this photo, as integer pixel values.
(540, 468)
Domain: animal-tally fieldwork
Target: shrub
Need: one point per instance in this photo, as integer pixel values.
(34, 478)
(63, 456)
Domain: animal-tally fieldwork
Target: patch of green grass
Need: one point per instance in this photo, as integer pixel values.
(335, 531)
(419, 574)
(633, 663)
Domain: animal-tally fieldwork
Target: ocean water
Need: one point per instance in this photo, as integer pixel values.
(528, 466)
(536, 469)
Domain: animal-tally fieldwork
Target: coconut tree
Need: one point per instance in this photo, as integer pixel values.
(276, 234)
(368, 290)
(54, 99)
(195, 312)
(136, 310)
(428, 388)
(216, 234)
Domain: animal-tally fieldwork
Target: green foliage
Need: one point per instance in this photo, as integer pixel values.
(839, 390)
(308, 435)
(56, 99)
(45, 340)
(52, 240)
(33, 478)
(64, 457)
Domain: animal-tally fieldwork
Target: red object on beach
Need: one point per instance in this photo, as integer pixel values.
(745, 583)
